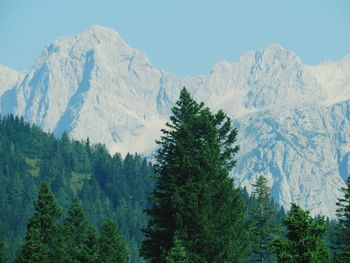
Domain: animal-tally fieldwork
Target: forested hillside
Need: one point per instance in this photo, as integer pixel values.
(108, 186)
(118, 188)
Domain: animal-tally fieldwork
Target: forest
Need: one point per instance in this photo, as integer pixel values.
(107, 186)
(184, 207)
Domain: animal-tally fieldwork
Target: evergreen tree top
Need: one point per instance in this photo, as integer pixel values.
(261, 188)
(194, 194)
(304, 241)
(39, 244)
(46, 211)
(193, 125)
(111, 244)
(75, 216)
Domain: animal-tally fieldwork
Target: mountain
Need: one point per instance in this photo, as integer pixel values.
(8, 78)
(293, 119)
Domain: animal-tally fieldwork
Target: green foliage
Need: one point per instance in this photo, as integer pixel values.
(342, 229)
(41, 230)
(177, 253)
(108, 186)
(304, 243)
(77, 181)
(194, 195)
(264, 227)
(3, 258)
(80, 243)
(111, 247)
(196, 215)
(73, 241)
(34, 249)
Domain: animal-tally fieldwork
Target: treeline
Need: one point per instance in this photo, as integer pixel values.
(107, 186)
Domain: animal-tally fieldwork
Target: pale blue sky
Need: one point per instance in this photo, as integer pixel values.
(185, 37)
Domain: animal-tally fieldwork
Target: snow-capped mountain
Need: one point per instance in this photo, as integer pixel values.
(293, 119)
(8, 78)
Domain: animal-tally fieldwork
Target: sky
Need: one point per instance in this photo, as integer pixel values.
(185, 37)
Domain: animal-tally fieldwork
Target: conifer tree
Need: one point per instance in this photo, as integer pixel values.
(304, 243)
(111, 246)
(264, 227)
(42, 231)
(342, 229)
(193, 193)
(80, 238)
(33, 249)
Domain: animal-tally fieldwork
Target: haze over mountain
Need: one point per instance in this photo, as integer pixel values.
(293, 119)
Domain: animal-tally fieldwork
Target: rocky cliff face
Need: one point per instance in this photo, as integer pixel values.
(293, 119)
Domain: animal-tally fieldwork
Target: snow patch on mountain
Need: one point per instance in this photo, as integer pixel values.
(334, 77)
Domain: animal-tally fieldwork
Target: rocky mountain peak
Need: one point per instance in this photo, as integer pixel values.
(8, 78)
(292, 119)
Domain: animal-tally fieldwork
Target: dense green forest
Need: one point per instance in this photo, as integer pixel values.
(73, 240)
(108, 186)
(184, 208)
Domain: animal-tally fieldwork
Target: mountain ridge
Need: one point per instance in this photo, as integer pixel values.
(95, 85)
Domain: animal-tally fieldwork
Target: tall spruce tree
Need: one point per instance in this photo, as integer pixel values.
(264, 226)
(193, 194)
(304, 243)
(342, 229)
(111, 246)
(40, 244)
(79, 236)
